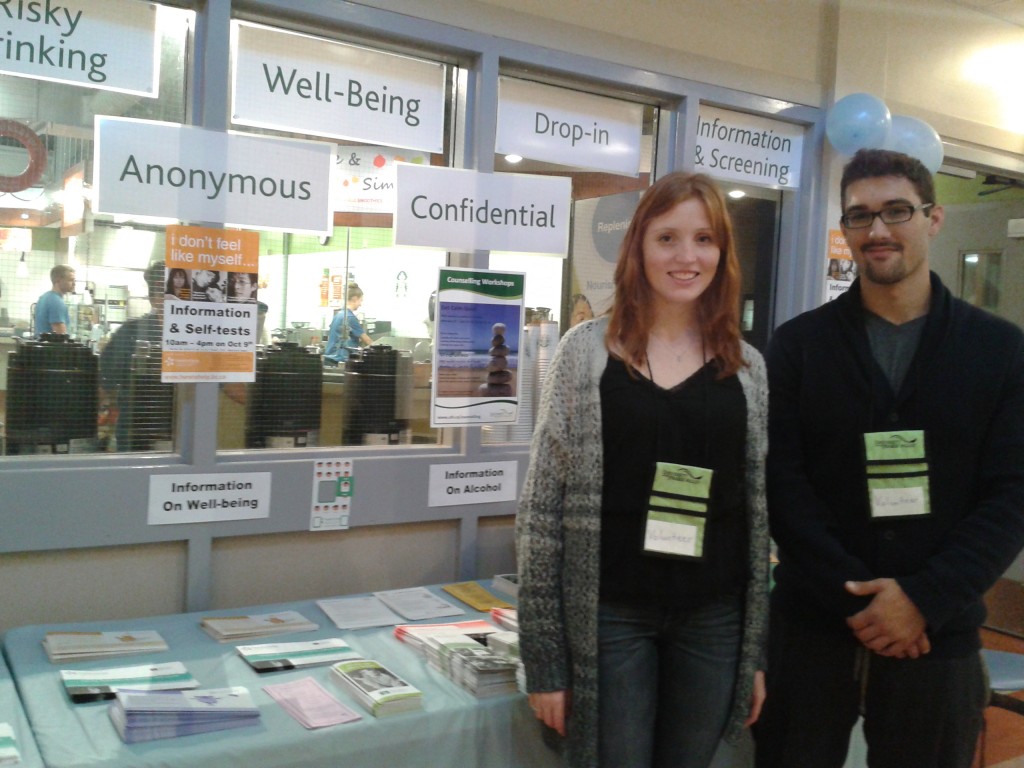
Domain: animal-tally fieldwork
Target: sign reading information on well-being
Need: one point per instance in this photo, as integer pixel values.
(107, 44)
(478, 338)
(146, 168)
(295, 82)
(752, 150)
(210, 305)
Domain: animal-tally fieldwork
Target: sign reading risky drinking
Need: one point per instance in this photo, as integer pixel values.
(146, 168)
(559, 125)
(467, 210)
(209, 315)
(107, 44)
(295, 82)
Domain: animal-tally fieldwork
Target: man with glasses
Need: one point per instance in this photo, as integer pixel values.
(895, 513)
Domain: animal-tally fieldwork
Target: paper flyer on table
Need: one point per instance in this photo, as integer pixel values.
(478, 336)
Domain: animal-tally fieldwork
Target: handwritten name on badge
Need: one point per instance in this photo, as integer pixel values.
(897, 502)
(671, 538)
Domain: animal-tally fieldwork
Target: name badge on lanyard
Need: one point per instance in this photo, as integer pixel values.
(897, 473)
(677, 511)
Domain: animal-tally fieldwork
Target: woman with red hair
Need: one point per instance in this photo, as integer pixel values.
(642, 534)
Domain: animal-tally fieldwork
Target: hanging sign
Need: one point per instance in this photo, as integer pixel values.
(146, 168)
(111, 45)
(478, 338)
(559, 125)
(467, 210)
(209, 331)
(295, 82)
(748, 149)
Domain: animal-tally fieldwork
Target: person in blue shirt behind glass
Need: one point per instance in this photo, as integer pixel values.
(346, 331)
(52, 314)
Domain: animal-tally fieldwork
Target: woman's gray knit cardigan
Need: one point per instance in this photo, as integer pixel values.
(558, 534)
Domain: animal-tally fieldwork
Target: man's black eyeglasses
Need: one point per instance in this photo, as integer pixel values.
(894, 214)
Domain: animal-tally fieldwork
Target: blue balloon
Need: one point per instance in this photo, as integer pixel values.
(857, 121)
(915, 138)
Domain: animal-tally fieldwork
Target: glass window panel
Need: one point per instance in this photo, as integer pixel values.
(980, 278)
(562, 292)
(51, 392)
(368, 382)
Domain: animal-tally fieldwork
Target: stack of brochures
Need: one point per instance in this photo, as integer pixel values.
(94, 684)
(73, 646)
(475, 596)
(504, 644)
(376, 688)
(507, 583)
(439, 650)
(269, 657)
(484, 674)
(415, 635)
(226, 629)
(359, 612)
(9, 754)
(309, 703)
(506, 617)
(144, 716)
(417, 603)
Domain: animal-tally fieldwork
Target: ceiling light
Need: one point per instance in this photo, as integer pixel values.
(513, 159)
(736, 194)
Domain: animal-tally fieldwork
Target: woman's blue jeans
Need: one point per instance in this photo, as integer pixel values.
(666, 679)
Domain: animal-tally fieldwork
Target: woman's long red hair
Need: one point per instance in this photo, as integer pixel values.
(632, 314)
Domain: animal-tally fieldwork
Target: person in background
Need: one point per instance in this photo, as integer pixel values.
(51, 312)
(346, 332)
(116, 359)
(177, 284)
(581, 310)
(642, 532)
(242, 286)
(894, 514)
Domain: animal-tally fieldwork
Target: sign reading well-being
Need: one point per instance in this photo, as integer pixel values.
(147, 168)
(478, 336)
(752, 150)
(210, 306)
(559, 125)
(296, 82)
(468, 210)
(107, 44)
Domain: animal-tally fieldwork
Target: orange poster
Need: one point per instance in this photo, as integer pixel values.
(840, 270)
(210, 305)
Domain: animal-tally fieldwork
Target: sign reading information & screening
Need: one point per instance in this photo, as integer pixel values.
(106, 44)
(146, 168)
(748, 149)
(295, 82)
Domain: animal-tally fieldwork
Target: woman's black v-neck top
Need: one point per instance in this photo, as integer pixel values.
(700, 422)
